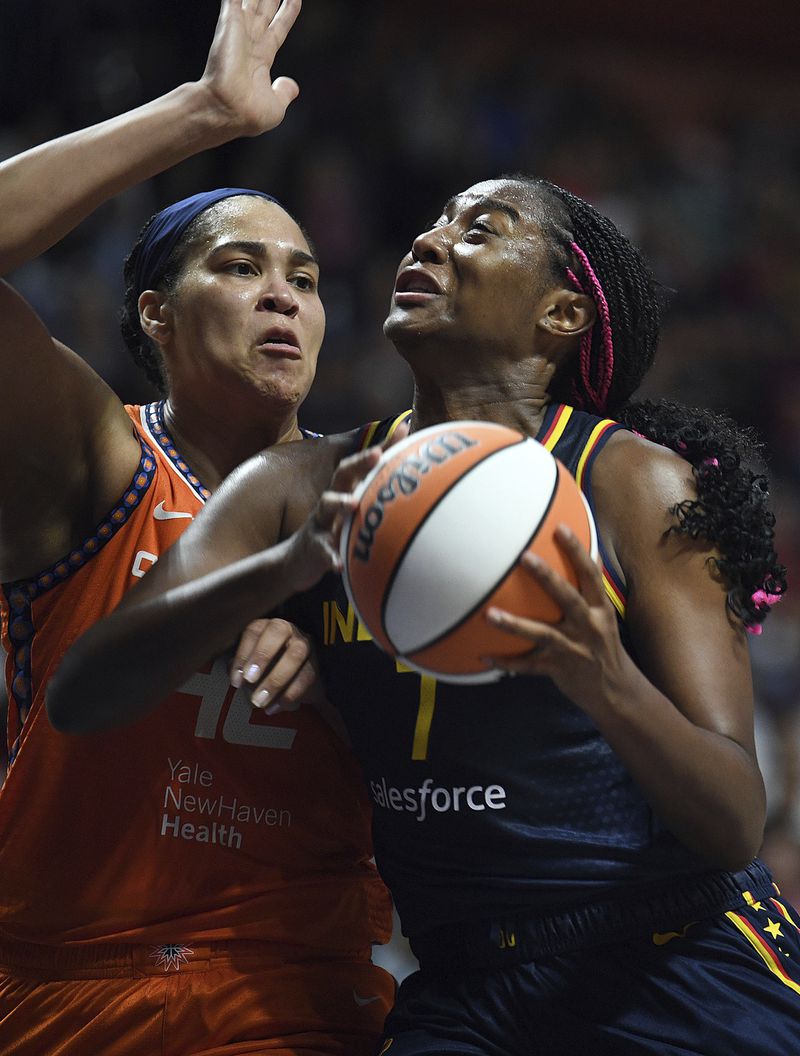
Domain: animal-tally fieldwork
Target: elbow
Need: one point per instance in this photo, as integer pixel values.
(62, 715)
(733, 859)
(730, 857)
(735, 842)
(748, 835)
(76, 691)
(742, 853)
(732, 831)
(65, 704)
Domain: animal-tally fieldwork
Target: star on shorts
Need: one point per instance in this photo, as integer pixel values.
(171, 956)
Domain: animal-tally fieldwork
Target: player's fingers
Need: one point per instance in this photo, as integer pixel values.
(568, 599)
(263, 8)
(294, 666)
(333, 504)
(249, 637)
(269, 645)
(282, 704)
(590, 580)
(352, 470)
(282, 20)
(532, 630)
(530, 663)
(330, 546)
(544, 640)
(293, 696)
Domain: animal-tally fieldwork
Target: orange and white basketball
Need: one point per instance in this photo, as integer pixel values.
(441, 524)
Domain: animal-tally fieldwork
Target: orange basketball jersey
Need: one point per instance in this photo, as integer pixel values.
(207, 820)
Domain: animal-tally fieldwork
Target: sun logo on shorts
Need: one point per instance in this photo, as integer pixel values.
(171, 956)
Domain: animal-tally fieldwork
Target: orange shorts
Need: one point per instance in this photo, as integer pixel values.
(223, 999)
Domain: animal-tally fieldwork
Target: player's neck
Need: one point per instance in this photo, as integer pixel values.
(518, 409)
(215, 441)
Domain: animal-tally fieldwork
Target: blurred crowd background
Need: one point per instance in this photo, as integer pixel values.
(682, 122)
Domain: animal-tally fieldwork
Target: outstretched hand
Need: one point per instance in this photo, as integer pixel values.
(238, 71)
(583, 653)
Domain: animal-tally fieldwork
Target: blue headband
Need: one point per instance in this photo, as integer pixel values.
(167, 227)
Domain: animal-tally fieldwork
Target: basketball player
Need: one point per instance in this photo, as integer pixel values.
(593, 888)
(201, 882)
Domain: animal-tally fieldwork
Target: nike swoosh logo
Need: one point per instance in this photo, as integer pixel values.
(161, 514)
(661, 938)
(361, 1001)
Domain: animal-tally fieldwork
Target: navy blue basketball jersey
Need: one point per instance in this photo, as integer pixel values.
(497, 797)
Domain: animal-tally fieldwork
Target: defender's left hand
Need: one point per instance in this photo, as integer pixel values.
(583, 653)
(238, 72)
(277, 661)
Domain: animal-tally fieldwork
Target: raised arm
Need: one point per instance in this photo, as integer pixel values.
(47, 191)
(78, 452)
(681, 715)
(228, 568)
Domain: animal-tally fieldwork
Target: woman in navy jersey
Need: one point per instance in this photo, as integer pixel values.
(597, 890)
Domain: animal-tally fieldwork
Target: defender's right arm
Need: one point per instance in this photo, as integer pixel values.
(69, 450)
(270, 531)
(47, 191)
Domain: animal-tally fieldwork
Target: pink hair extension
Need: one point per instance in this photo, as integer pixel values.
(606, 365)
(586, 349)
(762, 597)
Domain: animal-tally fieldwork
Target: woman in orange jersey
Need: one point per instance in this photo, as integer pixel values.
(173, 888)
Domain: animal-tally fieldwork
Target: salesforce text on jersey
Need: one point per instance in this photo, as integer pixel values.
(441, 800)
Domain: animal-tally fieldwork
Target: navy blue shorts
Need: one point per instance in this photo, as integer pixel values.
(726, 986)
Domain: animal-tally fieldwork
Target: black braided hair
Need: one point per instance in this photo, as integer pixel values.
(731, 511)
(732, 505)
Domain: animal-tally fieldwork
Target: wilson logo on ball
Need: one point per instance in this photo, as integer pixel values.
(405, 480)
(436, 539)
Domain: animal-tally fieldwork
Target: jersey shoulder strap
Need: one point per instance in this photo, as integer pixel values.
(576, 439)
(378, 432)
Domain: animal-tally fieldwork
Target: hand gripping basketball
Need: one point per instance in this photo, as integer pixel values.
(436, 540)
(315, 547)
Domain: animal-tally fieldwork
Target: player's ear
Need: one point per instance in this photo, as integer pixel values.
(566, 313)
(155, 317)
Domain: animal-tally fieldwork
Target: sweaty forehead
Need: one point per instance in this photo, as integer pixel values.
(246, 217)
(515, 195)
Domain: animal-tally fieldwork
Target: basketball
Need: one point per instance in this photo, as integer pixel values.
(436, 539)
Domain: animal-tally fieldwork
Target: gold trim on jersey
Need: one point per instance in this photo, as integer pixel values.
(557, 427)
(372, 429)
(614, 592)
(763, 949)
(591, 444)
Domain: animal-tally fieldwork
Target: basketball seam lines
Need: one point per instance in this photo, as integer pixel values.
(423, 521)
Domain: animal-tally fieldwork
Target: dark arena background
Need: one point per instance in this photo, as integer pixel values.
(680, 120)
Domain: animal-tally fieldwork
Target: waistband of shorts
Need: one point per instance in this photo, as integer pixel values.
(521, 936)
(121, 960)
